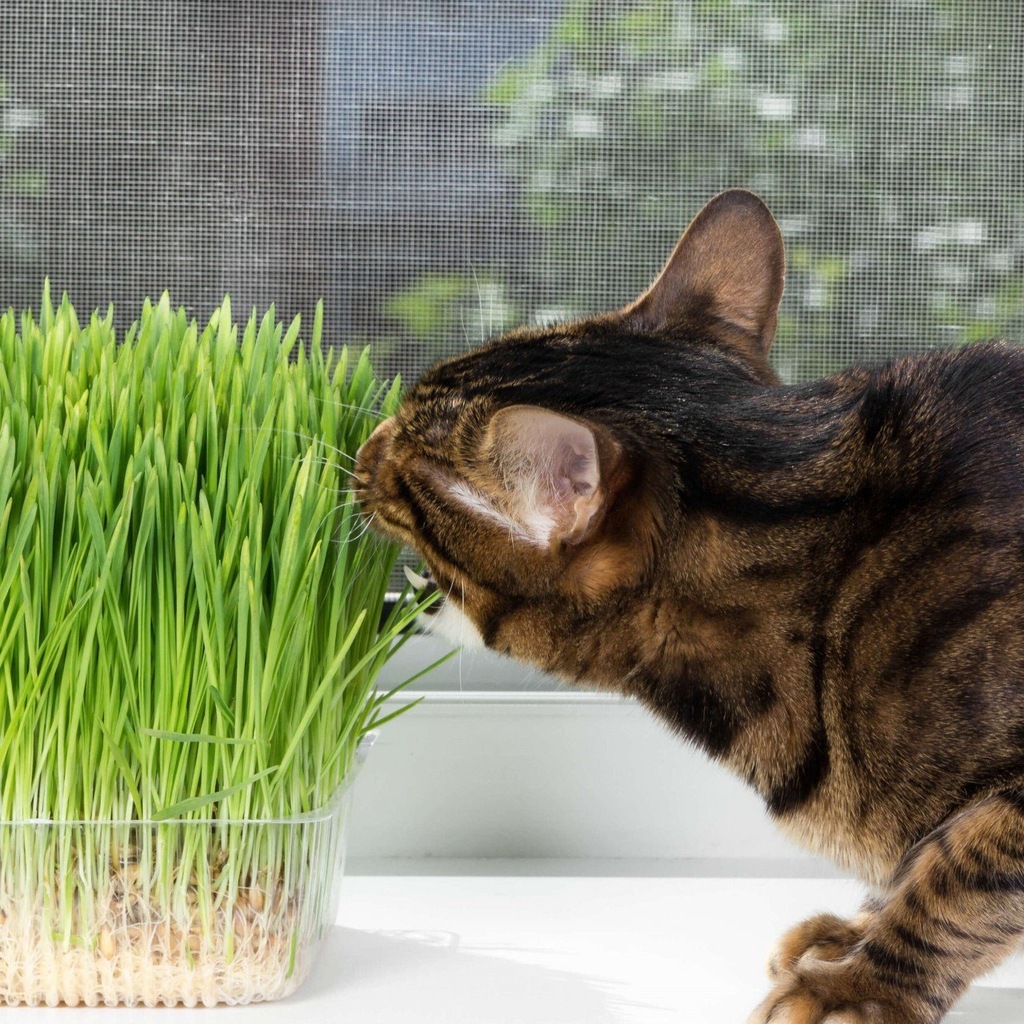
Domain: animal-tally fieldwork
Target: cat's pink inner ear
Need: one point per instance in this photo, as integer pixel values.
(549, 467)
(730, 264)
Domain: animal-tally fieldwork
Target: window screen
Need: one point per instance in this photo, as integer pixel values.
(438, 172)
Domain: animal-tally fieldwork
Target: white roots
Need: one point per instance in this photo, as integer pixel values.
(253, 949)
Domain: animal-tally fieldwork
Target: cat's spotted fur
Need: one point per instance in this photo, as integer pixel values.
(821, 585)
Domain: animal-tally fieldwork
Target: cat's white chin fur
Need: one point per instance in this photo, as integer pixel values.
(451, 622)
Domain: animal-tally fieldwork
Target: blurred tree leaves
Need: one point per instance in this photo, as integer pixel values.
(20, 180)
(437, 307)
(887, 136)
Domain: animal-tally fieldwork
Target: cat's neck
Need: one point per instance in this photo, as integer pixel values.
(778, 498)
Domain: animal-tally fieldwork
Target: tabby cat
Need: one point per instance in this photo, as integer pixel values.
(821, 585)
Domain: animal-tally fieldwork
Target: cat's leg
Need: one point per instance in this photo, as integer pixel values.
(954, 910)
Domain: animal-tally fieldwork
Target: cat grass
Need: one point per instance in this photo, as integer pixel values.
(190, 629)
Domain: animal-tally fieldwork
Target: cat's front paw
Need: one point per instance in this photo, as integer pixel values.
(823, 937)
(836, 992)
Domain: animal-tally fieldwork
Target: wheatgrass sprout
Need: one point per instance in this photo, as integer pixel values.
(190, 628)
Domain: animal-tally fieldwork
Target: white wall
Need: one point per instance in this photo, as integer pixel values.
(546, 775)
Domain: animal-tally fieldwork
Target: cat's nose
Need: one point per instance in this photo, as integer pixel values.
(372, 453)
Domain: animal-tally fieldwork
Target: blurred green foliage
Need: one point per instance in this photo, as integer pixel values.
(887, 137)
(21, 181)
(436, 308)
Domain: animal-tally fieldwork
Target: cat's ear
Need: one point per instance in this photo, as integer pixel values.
(549, 467)
(728, 269)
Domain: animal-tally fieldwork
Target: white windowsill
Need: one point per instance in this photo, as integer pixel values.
(540, 949)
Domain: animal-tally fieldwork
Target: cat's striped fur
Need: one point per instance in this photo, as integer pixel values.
(821, 585)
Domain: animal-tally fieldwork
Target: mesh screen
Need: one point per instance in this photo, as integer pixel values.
(438, 171)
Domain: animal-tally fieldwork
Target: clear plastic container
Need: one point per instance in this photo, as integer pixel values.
(171, 912)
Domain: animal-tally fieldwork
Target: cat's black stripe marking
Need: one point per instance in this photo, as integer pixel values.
(956, 932)
(1003, 882)
(915, 904)
(425, 531)
(911, 564)
(492, 623)
(411, 502)
(695, 706)
(982, 881)
(880, 510)
(761, 696)
(937, 1002)
(885, 959)
(941, 839)
(1007, 849)
(902, 982)
(916, 943)
(940, 882)
(393, 523)
(980, 861)
(884, 406)
(1015, 799)
(1008, 930)
(939, 627)
(489, 630)
(743, 508)
(805, 779)
(993, 775)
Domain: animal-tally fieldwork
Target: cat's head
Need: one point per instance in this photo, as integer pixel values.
(541, 471)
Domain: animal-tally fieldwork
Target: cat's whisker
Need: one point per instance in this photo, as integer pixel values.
(480, 302)
(346, 406)
(490, 311)
(251, 429)
(338, 454)
(462, 637)
(324, 461)
(362, 530)
(345, 472)
(368, 523)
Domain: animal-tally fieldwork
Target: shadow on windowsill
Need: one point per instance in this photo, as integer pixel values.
(426, 977)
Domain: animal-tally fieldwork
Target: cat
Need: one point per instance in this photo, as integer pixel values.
(821, 585)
